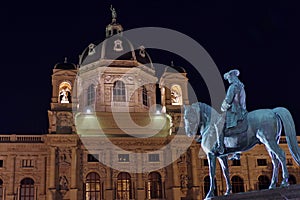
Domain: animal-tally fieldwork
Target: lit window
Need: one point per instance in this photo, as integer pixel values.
(27, 163)
(153, 157)
(262, 162)
(154, 186)
(237, 184)
(124, 186)
(91, 95)
(65, 92)
(92, 187)
(119, 92)
(93, 158)
(27, 189)
(123, 157)
(145, 96)
(176, 95)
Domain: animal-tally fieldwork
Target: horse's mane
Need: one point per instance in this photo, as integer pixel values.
(209, 111)
(208, 115)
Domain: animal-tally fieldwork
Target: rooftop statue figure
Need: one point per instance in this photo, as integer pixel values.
(113, 13)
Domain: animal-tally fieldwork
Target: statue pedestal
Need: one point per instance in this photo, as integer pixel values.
(291, 192)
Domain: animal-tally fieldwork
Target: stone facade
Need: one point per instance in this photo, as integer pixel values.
(92, 150)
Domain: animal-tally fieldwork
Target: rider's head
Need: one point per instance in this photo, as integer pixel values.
(231, 75)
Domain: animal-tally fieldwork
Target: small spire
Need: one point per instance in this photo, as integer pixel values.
(66, 60)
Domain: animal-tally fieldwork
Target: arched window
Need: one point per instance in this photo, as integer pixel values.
(119, 92)
(292, 180)
(154, 186)
(263, 182)
(207, 185)
(145, 96)
(124, 186)
(1, 189)
(237, 184)
(92, 187)
(91, 95)
(65, 92)
(176, 95)
(27, 189)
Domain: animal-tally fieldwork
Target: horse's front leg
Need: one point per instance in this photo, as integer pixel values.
(224, 164)
(212, 171)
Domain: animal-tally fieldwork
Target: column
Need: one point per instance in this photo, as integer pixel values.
(52, 167)
(195, 178)
(108, 190)
(74, 189)
(74, 168)
(176, 193)
(140, 182)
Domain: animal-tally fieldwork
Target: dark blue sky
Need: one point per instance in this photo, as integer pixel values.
(260, 38)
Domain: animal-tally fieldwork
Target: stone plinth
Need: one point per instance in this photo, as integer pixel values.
(291, 192)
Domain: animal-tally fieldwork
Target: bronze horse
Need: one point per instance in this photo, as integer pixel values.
(264, 126)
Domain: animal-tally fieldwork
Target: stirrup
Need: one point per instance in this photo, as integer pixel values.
(220, 149)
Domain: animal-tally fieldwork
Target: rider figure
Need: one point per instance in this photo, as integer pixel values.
(234, 105)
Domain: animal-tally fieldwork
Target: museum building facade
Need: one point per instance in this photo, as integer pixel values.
(113, 81)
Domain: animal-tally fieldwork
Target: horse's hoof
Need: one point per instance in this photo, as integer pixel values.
(283, 185)
(272, 186)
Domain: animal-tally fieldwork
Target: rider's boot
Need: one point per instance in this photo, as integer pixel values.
(220, 143)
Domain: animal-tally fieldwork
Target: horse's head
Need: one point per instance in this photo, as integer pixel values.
(191, 119)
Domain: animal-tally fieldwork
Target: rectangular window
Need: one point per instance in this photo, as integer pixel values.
(27, 163)
(236, 163)
(262, 162)
(205, 162)
(289, 161)
(1, 163)
(153, 157)
(93, 158)
(123, 157)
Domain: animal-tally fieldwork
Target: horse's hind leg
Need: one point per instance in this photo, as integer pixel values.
(224, 164)
(273, 147)
(275, 163)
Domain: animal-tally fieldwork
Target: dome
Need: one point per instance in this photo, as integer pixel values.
(65, 65)
(116, 47)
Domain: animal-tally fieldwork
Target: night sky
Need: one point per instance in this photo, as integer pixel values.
(260, 38)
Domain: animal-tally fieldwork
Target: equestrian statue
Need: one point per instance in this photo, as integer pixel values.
(236, 130)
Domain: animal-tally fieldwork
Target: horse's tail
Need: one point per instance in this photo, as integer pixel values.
(290, 132)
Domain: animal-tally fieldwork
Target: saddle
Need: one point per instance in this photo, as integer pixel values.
(241, 127)
(236, 136)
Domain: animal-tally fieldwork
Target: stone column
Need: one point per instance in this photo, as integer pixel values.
(195, 178)
(176, 193)
(11, 187)
(74, 189)
(108, 190)
(140, 182)
(52, 170)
